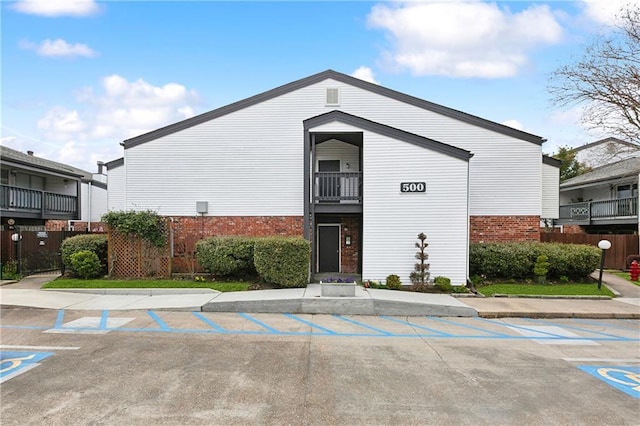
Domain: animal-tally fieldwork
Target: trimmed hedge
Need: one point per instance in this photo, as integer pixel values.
(516, 260)
(86, 264)
(96, 243)
(226, 255)
(283, 260)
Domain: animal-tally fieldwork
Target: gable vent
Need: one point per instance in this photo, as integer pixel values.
(333, 96)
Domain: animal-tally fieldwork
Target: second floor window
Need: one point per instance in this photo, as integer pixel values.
(627, 191)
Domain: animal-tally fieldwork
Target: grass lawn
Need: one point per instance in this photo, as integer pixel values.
(78, 283)
(624, 275)
(545, 290)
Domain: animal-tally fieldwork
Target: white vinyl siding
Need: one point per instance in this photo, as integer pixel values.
(116, 189)
(550, 192)
(250, 162)
(392, 220)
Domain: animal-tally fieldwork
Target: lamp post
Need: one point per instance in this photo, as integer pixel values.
(603, 245)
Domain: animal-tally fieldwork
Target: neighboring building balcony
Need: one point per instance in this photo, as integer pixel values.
(338, 191)
(605, 212)
(36, 204)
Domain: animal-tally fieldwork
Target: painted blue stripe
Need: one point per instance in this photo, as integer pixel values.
(260, 323)
(157, 319)
(439, 333)
(25, 327)
(209, 322)
(103, 320)
(59, 319)
(572, 328)
(293, 317)
(359, 324)
(530, 330)
(602, 324)
(471, 327)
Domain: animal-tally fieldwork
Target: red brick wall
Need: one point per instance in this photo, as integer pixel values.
(572, 229)
(58, 225)
(496, 229)
(349, 254)
(188, 230)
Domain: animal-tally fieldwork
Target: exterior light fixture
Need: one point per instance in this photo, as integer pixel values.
(603, 245)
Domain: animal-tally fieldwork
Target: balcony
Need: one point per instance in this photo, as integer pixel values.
(36, 204)
(340, 190)
(622, 211)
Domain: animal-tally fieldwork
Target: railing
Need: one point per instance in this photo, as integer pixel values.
(35, 201)
(334, 187)
(594, 210)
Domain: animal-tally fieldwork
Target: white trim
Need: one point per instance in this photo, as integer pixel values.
(339, 225)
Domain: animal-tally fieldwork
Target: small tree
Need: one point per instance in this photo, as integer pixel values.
(420, 275)
(569, 166)
(541, 268)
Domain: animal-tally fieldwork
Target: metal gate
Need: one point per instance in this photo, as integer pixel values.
(33, 251)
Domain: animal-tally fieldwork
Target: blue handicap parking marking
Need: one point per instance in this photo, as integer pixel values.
(624, 378)
(14, 363)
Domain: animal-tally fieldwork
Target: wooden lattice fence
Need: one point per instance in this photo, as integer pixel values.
(133, 257)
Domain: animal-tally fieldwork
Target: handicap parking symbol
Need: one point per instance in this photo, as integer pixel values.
(624, 378)
(14, 363)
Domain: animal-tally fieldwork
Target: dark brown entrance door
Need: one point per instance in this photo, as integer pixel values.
(328, 248)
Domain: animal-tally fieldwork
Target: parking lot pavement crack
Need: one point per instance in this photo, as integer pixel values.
(307, 382)
(424, 339)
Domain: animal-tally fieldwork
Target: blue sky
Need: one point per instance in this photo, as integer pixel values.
(80, 76)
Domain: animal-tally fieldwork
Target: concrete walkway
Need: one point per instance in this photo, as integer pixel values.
(27, 293)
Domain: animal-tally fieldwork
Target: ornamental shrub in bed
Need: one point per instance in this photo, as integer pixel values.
(283, 260)
(226, 255)
(517, 260)
(96, 243)
(86, 264)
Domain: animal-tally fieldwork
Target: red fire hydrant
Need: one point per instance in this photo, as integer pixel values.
(634, 272)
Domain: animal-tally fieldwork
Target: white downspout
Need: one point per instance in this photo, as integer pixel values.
(90, 187)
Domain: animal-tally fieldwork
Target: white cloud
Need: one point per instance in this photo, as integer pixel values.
(121, 110)
(463, 38)
(55, 8)
(59, 48)
(515, 124)
(606, 11)
(365, 73)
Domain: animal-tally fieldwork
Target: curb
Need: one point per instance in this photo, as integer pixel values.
(550, 315)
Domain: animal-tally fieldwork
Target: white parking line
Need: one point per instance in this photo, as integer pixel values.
(41, 348)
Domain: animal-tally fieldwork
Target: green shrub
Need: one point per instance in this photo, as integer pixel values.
(516, 260)
(86, 264)
(226, 255)
(10, 270)
(96, 243)
(393, 282)
(283, 260)
(443, 283)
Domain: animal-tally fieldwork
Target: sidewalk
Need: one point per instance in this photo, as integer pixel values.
(27, 293)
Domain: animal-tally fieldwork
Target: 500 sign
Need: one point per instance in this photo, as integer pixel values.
(413, 187)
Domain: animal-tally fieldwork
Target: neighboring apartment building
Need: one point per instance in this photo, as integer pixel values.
(606, 151)
(40, 194)
(356, 168)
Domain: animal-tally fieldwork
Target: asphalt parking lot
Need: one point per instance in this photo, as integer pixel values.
(146, 367)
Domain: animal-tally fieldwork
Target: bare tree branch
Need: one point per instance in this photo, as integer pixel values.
(606, 80)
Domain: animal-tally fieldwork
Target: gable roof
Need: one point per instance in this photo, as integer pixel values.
(343, 78)
(617, 170)
(363, 123)
(21, 158)
(606, 140)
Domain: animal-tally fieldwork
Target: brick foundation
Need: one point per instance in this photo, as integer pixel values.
(500, 229)
(188, 230)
